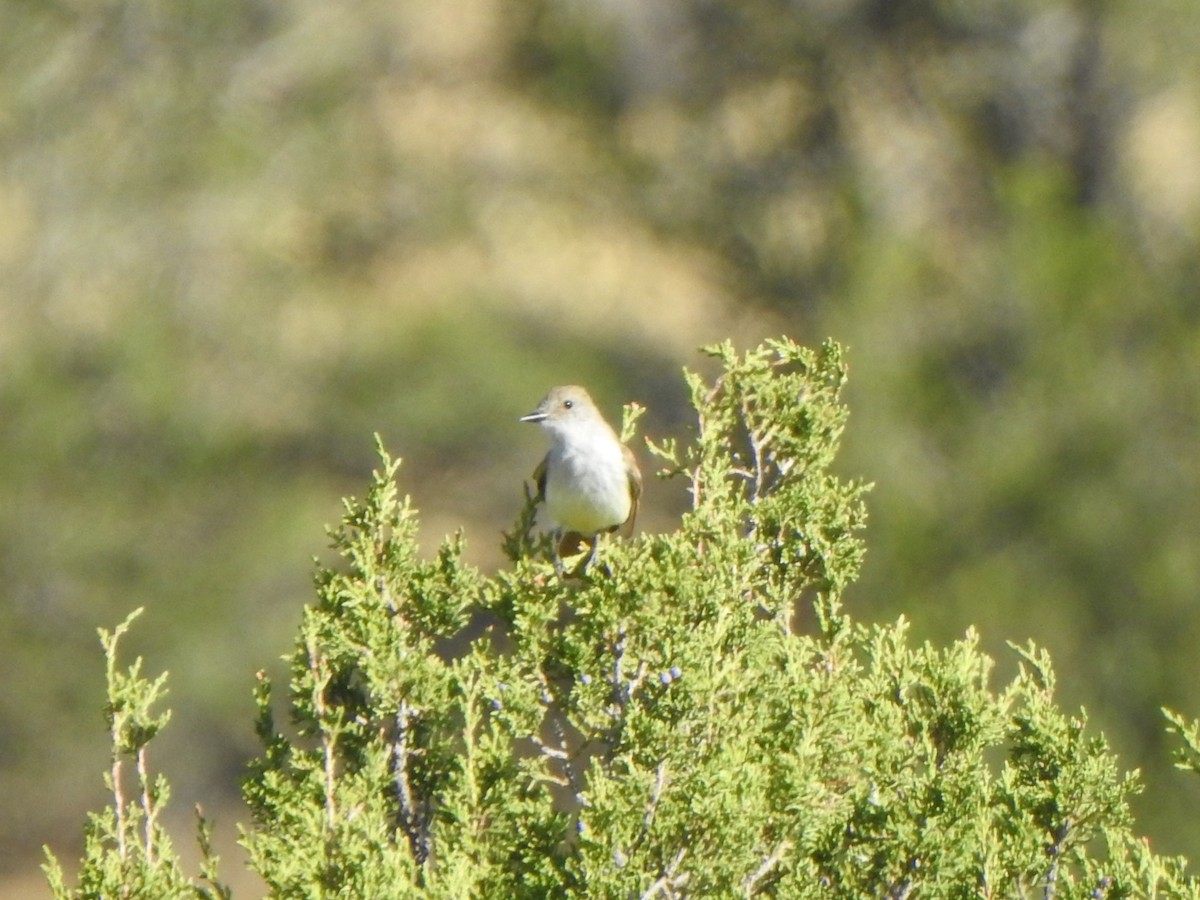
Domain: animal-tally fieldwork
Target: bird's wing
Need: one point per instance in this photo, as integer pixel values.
(635, 488)
(539, 478)
(570, 542)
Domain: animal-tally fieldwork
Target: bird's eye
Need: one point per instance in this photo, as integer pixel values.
(567, 404)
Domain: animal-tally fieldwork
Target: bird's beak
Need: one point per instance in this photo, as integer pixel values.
(535, 417)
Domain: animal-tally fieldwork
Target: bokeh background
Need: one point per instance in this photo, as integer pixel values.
(238, 237)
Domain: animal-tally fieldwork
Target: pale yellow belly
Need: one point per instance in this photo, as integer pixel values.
(588, 504)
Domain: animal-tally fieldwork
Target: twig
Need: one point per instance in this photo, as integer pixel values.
(147, 803)
(768, 864)
(414, 815)
(316, 664)
(560, 753)
(1055, 851)
(660, 781)
(385, 594)
(552, 752)
(701, 433)
(620, 697)
(756, 447)
(667, 879)
(118, 792)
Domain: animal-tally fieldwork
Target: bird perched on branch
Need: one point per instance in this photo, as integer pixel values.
(589, 481)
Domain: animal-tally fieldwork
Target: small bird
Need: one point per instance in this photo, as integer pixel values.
(588, 480)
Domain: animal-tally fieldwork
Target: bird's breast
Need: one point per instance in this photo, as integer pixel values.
(587, 489)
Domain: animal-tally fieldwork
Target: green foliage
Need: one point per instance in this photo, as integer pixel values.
(669, 726)
(1187, 757)
(676, 723)
(127, 853)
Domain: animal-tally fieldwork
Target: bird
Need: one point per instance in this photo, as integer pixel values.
(589, 481)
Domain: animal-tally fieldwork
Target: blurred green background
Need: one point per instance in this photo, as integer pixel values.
(236, 238)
